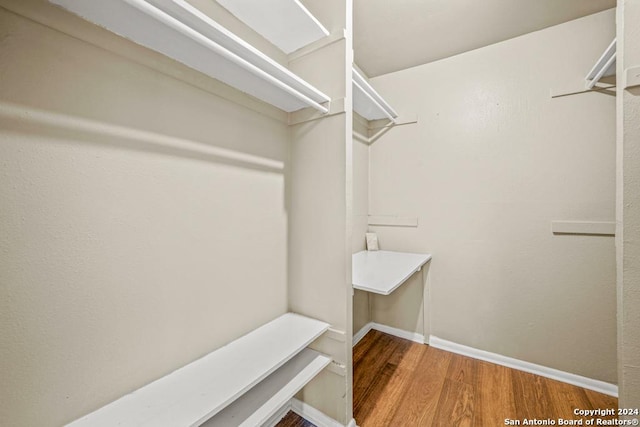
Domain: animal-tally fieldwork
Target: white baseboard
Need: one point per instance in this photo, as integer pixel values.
(361, 333)
(498, 359)
(316, 417)
(400, 333)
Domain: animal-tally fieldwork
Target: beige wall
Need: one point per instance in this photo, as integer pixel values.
(403, 308)
(492, 161)
(143, 219)
(360, 213)
(627, 212)
(320, 205)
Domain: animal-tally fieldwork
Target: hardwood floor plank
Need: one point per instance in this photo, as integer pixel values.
(420, 395)
(531, 396)
(602, 401)
(455, 406)
(381, 409)
(399, 383)
(362, 348)
(494, 395)
(368, 374)
(294, 420)
(565, 398)
(463, 369)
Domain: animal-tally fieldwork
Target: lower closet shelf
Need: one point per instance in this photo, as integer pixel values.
(259, 404)
(271, 359)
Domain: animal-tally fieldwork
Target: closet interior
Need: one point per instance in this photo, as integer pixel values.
(188, 187)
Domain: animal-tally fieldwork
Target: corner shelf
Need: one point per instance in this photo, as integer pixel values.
(382, 272)
(367, 101)
(180, 31)
(604, 67)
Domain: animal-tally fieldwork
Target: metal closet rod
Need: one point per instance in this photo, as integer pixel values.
(194, 35)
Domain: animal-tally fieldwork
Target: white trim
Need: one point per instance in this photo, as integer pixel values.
(606, 228)
(182, 32)
(362, 332)
(631, 77)
(307, 412)
(314, 416)
(566, 377)
(393, 220)
(278, 416)
(400, 333)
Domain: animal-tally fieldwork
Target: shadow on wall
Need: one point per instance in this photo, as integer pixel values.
(403, 308)
(17, 118)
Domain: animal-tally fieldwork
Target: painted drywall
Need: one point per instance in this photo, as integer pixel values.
(491, 162)
(383, 34)
(360, 213)
(320, 206)
(627, 209)
(360, 184)
(403, 308)
(143, 221)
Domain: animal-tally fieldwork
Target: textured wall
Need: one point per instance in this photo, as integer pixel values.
(320, 206)
(493, 160)
(142, 225)
(360, 214)
(628, 209)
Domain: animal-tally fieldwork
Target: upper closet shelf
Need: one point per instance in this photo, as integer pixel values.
(367, 102)
(605, 66)
(285, 23)
(182, 32)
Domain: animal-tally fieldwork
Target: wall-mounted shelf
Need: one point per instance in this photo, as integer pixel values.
(382, 272)
(182, 32)
(604, 67)
(247, 378)
(367, 101)
(604, 228)
(285, 23)
(260, 403)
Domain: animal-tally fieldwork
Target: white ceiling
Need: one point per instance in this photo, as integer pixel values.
(391, 35)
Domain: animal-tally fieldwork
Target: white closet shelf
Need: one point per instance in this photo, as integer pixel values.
(180, 31)
(260, 403)
(285, 23)
(605, 66)
(382, 272)
(367, 101)
(196, 392)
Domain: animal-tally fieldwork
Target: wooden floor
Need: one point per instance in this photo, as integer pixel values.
(294, 420)
(401, 383)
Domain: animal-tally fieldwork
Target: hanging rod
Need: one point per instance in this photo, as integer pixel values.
(374, 98)
(194, 35)
(374, 102)
(180, 31)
